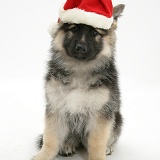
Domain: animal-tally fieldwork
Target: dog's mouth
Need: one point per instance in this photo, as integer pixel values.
(81, 57)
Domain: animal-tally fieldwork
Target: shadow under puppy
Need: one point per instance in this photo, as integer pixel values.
(82, 93)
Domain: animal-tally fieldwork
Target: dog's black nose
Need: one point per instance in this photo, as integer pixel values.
(81, 48)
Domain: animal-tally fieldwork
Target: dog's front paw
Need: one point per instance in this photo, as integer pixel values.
(33, 158)
(41, 156)
(67, 150)
(37, 157)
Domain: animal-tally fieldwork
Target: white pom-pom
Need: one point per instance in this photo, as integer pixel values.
(53, 28)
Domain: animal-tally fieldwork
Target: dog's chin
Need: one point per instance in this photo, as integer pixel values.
(81, 57)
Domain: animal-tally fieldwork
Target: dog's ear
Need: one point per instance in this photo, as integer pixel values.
(117, 10)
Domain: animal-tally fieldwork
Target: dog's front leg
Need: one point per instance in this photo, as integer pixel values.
(98, 138)
(50, 146)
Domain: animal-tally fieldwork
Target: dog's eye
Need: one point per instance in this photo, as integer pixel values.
(74, 29)
(94, 33)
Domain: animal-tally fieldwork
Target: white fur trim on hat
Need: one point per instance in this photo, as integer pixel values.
(78, 16)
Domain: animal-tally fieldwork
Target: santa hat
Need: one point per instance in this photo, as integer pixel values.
(96, 13)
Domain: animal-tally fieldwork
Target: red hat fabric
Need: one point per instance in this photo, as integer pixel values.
(97, 13)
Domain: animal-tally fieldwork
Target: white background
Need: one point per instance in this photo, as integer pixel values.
(24, 45)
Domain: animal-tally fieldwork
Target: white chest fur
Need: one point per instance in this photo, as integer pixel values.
(76, 97)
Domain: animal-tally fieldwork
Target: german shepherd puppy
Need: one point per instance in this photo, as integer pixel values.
(83, 98)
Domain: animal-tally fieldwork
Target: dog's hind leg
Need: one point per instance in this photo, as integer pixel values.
(39, 142)
(109, 150)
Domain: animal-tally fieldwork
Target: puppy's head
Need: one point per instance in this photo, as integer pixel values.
(83, 42)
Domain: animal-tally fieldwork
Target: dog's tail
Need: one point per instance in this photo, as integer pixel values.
(39, 142)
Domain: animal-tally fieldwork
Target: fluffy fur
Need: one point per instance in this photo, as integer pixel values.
(82, 93)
